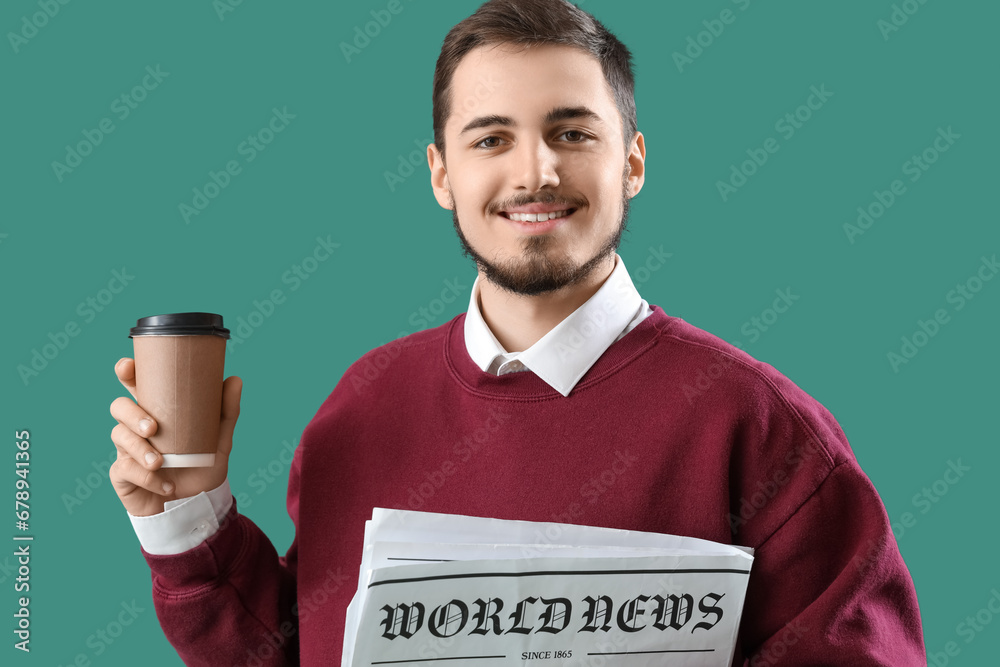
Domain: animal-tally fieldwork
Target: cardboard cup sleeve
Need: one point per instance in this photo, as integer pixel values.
(178, 381)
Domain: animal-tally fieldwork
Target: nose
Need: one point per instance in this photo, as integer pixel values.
(535, 165)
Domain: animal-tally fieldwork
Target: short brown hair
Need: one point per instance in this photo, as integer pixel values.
(527, 22)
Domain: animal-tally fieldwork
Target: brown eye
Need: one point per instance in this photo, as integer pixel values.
(480, 144)
(582, 137)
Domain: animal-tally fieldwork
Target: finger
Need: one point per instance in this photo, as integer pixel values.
(125, 370)
(126, 471)
(232, 391)
(132, 416)
(137, 448)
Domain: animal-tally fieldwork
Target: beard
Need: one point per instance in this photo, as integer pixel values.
(537, 271)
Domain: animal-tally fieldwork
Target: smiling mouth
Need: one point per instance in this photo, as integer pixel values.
(537, 217)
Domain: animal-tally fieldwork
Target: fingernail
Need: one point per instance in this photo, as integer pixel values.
(151, 459)
(144, 425)
(167, 487)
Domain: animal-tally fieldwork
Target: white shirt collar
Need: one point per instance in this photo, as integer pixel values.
(563, 355)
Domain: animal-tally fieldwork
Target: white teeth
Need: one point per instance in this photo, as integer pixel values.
(539, 217)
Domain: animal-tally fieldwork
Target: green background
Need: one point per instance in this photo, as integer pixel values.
(324, 176)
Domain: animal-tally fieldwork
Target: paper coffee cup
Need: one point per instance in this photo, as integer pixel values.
(179, 366)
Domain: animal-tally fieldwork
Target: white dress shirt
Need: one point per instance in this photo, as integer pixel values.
(560, 358)
(563, 355)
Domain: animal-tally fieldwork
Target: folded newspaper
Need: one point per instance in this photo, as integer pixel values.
(475, 591)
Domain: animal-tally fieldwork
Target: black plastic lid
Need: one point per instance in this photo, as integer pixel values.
(180, 324)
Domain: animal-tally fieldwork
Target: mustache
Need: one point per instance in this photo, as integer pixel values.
(547, 198)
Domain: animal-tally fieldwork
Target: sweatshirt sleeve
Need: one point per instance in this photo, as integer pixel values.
(833, 585)
(231, 599)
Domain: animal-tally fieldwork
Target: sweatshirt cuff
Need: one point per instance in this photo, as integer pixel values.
(184, 523)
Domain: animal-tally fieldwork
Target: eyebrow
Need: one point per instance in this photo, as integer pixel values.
(554, 116)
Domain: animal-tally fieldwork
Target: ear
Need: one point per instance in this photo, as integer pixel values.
(439, 178)
(637, 163)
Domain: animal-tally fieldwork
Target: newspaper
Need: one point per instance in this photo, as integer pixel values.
(477, 591)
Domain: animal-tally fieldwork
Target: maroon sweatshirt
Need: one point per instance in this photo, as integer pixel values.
(672, 430)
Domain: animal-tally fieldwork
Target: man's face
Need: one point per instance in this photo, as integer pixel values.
(534, 131)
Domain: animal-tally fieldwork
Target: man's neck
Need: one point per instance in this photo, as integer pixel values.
(520, 321)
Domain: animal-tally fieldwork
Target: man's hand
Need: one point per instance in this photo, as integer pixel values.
(136, 476)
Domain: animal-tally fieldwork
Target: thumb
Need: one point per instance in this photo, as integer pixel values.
(232, 390)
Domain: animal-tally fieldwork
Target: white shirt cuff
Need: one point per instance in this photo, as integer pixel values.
(184, 523)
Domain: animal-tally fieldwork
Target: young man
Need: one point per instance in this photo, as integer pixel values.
(558, 372)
